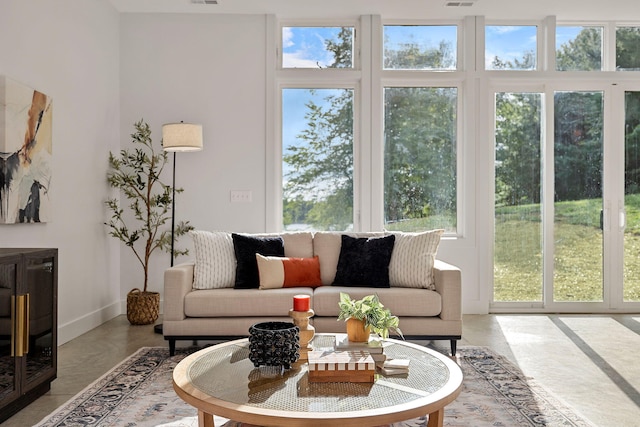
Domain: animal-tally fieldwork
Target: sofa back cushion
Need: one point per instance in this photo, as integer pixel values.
(215, 260)
(298, 244)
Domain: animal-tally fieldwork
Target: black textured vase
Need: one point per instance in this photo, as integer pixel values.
(274, 344)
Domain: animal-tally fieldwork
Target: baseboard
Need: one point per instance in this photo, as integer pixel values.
(79, 326)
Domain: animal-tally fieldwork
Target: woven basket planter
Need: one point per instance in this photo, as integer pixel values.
(143, 308)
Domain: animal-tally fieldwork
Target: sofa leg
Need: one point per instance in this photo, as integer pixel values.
(454, 344)
(172, 346)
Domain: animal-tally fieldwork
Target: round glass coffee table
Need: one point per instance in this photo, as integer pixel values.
(221, 380)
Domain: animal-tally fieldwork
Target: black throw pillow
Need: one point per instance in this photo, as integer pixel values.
(246, 248)
(364, 261)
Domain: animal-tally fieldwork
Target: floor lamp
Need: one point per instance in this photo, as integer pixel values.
(178, 137)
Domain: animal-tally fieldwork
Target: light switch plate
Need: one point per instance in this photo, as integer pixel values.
(240, 196)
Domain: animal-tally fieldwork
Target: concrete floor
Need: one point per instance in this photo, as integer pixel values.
(589, 362)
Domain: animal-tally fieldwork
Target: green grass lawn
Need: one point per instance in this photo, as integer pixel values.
(578, 252)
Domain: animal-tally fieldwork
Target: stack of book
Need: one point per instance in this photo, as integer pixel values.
(395, 367)
(374, 347)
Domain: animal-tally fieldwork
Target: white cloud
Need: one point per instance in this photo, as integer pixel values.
(298, 59)
(287, 35)
(503, 29)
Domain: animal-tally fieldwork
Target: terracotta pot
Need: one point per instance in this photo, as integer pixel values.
(356, 332)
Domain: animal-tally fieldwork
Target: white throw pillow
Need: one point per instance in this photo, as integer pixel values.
(215, 265)
(411, 264)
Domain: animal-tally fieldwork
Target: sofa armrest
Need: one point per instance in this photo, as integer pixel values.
(178, 282)
(448, 280)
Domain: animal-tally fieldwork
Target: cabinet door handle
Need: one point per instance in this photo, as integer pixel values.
(21, 325)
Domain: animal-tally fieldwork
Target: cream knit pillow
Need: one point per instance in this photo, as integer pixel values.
(411, 264)
(215, 260)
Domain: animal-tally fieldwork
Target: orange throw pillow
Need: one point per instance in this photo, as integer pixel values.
(285, 272)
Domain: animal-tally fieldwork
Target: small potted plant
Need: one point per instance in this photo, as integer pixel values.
(365, 316)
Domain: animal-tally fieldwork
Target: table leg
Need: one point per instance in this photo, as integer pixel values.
(436, 418)
(205, 420)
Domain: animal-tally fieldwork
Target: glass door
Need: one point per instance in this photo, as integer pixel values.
(630, 216)
(548, 200)
(9, 380)
(518, 261)
(567, 199)
(578, 214)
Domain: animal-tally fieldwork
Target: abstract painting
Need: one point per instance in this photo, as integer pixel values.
(25, 153)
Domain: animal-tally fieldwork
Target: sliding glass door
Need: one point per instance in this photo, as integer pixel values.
(630, 216)
(549, 214)
(578, 184)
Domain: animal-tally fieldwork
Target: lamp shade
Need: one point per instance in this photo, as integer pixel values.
(181, 137)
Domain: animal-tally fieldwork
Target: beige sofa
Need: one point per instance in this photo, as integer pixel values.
(225, 312)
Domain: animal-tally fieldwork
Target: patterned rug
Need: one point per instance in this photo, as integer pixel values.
(139, 393)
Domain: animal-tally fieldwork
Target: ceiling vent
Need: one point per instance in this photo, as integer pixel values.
(204, 1)
(466, 3)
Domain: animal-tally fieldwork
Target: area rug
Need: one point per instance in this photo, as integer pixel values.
(139, 393)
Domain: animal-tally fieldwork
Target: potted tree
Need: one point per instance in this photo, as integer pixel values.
(136, 173)
(366, 315)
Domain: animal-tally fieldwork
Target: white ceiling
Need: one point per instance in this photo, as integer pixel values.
(573, 10)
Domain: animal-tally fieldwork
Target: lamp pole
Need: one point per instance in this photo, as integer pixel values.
(173, 209)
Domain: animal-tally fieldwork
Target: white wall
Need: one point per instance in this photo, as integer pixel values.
(206, 69)
(210, 69)
(68, 49)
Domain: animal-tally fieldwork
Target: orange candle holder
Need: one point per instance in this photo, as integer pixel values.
(307, 331)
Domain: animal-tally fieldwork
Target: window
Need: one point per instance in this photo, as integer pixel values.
(510, 47)
(578, 48)
(420, 47)
(420, 125)
(317, 146)
(317, 47)
(628, 48)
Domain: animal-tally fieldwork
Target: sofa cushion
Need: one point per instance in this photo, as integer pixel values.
(241, 302)
(288, 272)
(246, 247)
(326, 245)
(412, 260)
(364, 261)
(401, 301)
(215, 260)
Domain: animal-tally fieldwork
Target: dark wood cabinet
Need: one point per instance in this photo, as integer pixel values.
(28, 326)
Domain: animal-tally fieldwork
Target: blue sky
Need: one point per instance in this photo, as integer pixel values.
(508, 42)
(304, 47)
